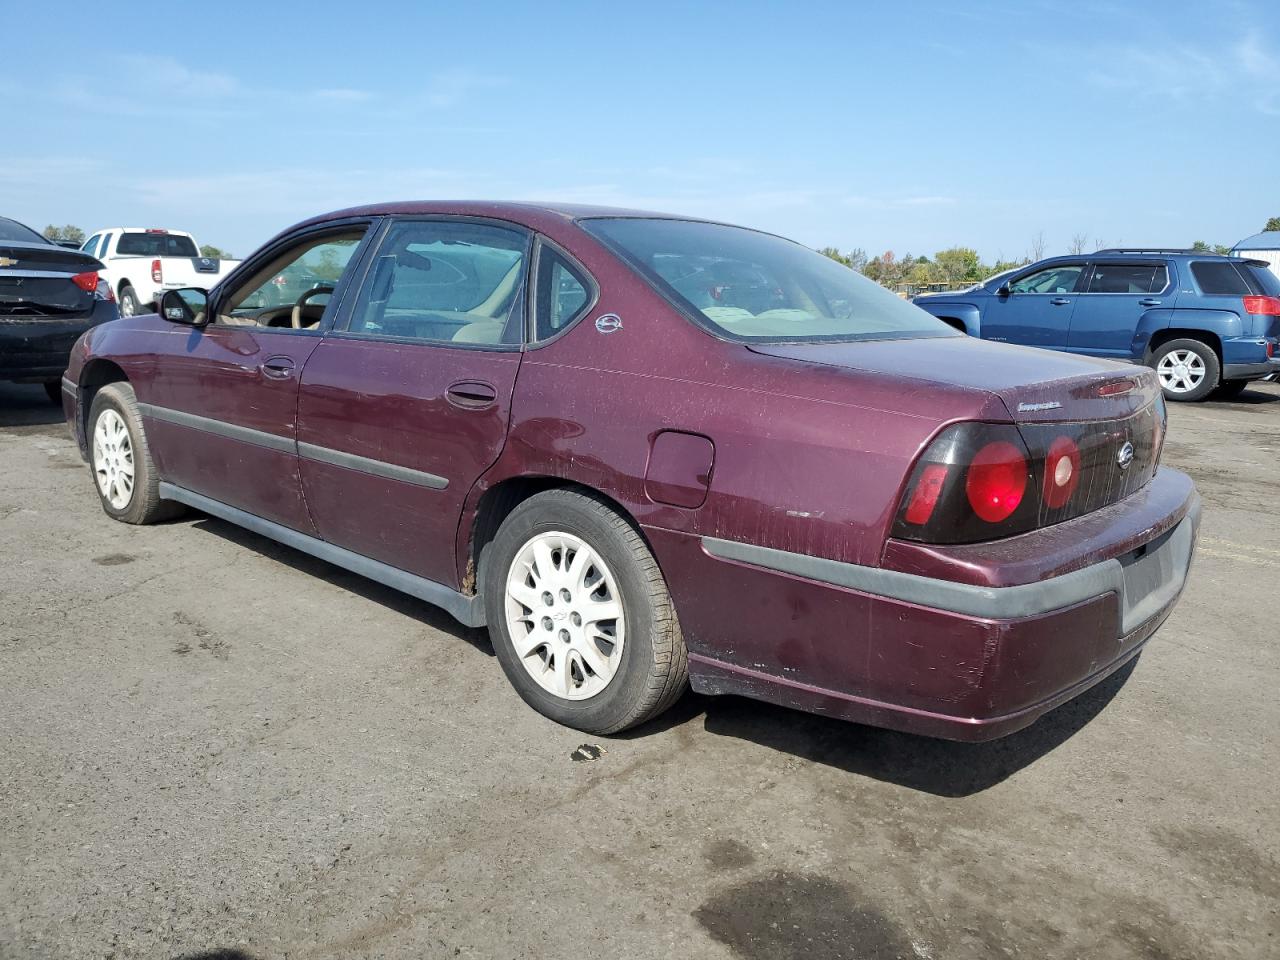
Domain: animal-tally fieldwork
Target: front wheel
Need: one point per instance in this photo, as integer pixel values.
(123, 472)
(580, 616)
(1188, 370)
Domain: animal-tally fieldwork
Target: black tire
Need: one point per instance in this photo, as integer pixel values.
(653, 670)
(53, 388)
(1231, 388)
(144, 504)
(130, 305)
(1208, 358)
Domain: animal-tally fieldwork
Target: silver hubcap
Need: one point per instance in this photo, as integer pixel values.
(113, 459)
(1180, 371)
(126, 305)
(564, 615)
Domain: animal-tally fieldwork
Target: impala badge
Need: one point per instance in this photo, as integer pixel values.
(7, 261)
(608, 322)
(1125, 456)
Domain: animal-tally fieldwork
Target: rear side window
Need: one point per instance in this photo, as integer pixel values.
(156, 245)
(1221, 277)
(1128, 278)
(445, 281)
(563, 293)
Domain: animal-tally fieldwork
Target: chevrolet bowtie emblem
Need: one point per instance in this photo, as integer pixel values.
(7, 261)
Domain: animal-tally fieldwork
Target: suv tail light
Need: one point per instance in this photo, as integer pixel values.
(157, 273)
(88, 282)
(1266, 306)
(984, 481)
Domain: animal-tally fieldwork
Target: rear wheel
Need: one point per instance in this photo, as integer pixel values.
(1187, 369)
(580, 616)
(123, 472)
(130, 306)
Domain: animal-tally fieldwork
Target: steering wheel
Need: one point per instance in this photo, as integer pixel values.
(301, 301)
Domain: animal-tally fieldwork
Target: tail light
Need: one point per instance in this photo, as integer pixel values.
(1266, 306)
(88, 282)
(157, 273)
(984, 481)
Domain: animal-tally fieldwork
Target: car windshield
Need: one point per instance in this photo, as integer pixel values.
(11, 231)
(752, 286)
(156, 245)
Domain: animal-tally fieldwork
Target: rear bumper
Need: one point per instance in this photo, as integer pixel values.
(38, 349)
(925, 655)
(1251, 371)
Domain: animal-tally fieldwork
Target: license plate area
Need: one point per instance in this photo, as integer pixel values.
(1154, 574)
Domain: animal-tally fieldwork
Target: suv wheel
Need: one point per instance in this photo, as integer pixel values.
(1188, 369)
(123, 473)
(580, 616)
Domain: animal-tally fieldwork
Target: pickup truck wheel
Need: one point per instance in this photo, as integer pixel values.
(120, 459)
(580, 616)
(129, 304)
(1188, 370)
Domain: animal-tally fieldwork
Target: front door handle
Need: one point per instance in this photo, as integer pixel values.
(277, 368)
(1149, 302)
(471, 394)
(1060, 301)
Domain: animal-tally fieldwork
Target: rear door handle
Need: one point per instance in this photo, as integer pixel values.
(1060, 301)
(277, 368)
(471, 394)
(1149, 302)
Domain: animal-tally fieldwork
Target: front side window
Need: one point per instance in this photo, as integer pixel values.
(156, 245)
(445, 281)
(90, 246)
(1057, 279)
(563, 293)
(1128, 278)
(293, 289)
(750, 286)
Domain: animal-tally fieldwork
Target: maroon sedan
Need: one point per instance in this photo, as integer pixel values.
(650, 452)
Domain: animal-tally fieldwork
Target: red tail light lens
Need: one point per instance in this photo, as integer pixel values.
(924, 497)
(88, 282)
(1061, 472)
(1266, 306)
(157, 273)
(996, 481)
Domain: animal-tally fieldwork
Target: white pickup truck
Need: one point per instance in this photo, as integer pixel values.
(141, 264)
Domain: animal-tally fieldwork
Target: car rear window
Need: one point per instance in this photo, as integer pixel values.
(13, 232)
(156, 245)
(1222, 277)
(754, 287)
(1128, 278)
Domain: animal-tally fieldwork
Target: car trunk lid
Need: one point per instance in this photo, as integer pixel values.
(35, 280)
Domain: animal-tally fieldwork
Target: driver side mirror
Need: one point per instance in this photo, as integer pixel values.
(186, 306)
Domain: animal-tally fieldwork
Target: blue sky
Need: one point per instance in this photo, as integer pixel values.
(903, 126)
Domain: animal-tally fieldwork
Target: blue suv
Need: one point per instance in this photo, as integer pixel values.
(1205, 322)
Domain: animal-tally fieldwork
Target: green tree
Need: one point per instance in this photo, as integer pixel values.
(855, 259)
(209, 250)
(1273, 224)
(1201, 247)
(68, 232)
(958, 264)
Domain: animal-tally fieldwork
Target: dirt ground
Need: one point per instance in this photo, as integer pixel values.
(212, 746)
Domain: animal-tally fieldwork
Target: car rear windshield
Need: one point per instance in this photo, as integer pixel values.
(11, 231)
(752, 286)
(156, 245)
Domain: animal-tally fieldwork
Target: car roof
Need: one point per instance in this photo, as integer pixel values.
(519, 211)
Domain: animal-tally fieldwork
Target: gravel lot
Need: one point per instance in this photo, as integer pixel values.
(215, 747)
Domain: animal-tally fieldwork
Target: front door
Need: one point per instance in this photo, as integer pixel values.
(224, 408)
(1108, 313)
(406, 402)
(1037, 310)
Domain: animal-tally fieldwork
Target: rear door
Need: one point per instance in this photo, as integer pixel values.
(406, 403)
(1037, 311)
(223, 410)
(1116, 295)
